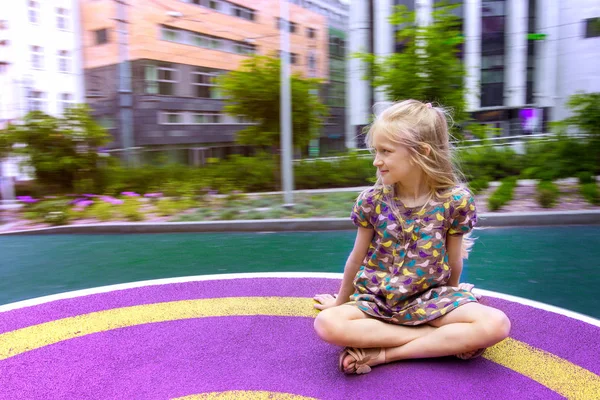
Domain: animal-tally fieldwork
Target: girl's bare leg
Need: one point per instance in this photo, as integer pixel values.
(346, 325)
(465, 329)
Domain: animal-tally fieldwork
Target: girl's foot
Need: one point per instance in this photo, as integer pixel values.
(359, 361)
(470, 354)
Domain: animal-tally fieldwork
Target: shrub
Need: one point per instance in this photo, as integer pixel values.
(55, 211)
(586, 177)
(591, 193)
(131, 210)
(102, 211)
(547, 194)
(480, 184)
(503, 194)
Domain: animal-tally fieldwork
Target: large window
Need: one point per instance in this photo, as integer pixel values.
(206, 41)
(592, 27)
(62, 18)
(293, 26)
(493, 21)
(36, 100)
(160, 79)
(101, 36)
(207, 117)
(205, 85)
(34, 11)
(37, 57)
(64, 61)
(243, 12)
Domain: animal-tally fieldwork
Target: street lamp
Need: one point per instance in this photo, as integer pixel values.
(285, 115)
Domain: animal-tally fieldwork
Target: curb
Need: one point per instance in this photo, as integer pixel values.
(515, 219)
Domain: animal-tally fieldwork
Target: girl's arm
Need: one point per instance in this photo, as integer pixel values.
(455, 260)
(355, 259)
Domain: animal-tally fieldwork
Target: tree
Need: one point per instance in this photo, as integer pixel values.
(62, 151)
(254, 92)
(428, 68)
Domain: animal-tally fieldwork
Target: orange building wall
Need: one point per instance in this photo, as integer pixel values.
(146, 16)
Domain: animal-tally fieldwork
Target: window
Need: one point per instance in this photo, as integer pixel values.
(207, 117)
(36, 100)
(62, 16)
(311, 33)
(293, 25)
(293, 58)
(312, 63)
(172, 118)
(65, 101)
(214, 4)
(592, 27)
(34, 11)
(244, 49)
(160, 80)
(37, 57)
(170, 35)
(242, 12)
(64, 60)
(242, 119)
(101, 36)
(205, 85)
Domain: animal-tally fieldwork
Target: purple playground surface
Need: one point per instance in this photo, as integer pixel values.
(548, 355)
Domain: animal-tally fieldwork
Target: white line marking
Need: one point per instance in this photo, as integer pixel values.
(296, 275)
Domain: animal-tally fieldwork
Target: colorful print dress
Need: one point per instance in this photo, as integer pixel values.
(405, 272)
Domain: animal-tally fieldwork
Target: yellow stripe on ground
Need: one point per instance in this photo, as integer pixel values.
(36, 336)
(245, 395)
(551, 371)
(556, 373)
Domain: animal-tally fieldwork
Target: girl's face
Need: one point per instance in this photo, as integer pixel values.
(392, 160)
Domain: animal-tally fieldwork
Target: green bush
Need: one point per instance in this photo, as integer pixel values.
(130, 209)
(547, 194)
(166, 207)
(591, 193)
(480, 184)
(54, 211)
(586, 177)
(101, 211)
(503, 194)
(491, 163)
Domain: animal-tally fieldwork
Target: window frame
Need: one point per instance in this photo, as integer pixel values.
(65, 58)
(99, 34)
(64, 17)
(33, 8)
(164, 118)
(37, 57)
(212, 76)
(40, 100)
(65, 103)
(218, 115)
(591, 28)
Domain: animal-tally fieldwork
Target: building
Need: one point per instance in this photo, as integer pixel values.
(333, 137)
(524, 58)
(40, 61)
(176, 50)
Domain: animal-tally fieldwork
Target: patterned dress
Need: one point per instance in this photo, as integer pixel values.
(405, 272)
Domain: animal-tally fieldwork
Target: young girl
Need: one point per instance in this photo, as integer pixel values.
(400, 296)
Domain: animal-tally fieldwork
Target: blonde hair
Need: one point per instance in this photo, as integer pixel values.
(423, 129)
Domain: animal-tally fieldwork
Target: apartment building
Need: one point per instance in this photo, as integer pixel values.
(176, 51)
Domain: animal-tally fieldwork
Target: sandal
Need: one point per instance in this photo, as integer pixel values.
(475, 354)
(361, 357)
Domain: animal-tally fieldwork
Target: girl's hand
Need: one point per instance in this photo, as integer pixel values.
(325, 301)
(468, 287)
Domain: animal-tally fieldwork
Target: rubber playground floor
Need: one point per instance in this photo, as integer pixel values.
(250, 336)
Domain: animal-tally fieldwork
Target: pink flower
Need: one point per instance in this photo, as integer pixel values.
(130, 194)
(27, 199)
(111, 200)
(153, 195)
